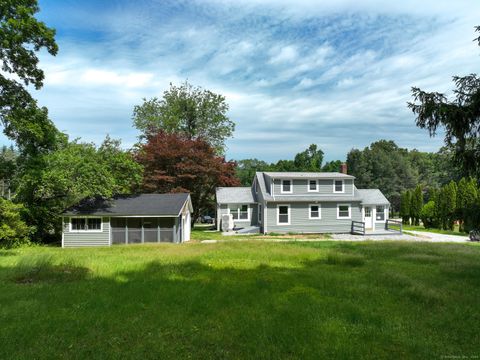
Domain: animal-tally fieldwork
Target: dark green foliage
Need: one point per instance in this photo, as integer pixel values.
(446, 206)
(459, 117)
(428, 215)
(405, 203)
(8, 163)
(21, 36)
(467, 197)
(50, 183)
(13, 229)
(187, 110)
(416, 205)
(247, 168)
(309, 160)
(383, 166)
(332, 166)
(393, 170)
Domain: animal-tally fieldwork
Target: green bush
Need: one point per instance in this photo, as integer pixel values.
(13, 230)
(428, 215)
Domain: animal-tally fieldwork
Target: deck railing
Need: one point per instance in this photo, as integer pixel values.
(358, 227)
(394, 225)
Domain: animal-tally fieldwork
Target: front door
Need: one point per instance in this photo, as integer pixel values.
(368, 217)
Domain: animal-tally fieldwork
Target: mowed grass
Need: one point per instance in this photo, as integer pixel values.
(242, 300)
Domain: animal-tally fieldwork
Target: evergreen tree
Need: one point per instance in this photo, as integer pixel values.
(405, 207)
(416, 204)
(466, 198)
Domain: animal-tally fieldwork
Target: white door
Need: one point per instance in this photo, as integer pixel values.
(368, 217)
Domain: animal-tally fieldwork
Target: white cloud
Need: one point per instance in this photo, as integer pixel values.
(335, 73)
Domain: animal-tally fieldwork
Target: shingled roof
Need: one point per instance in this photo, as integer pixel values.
(141, 204)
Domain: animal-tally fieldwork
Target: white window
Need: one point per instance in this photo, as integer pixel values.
(240, 212)
(86, 224)
(259, 213)
(283, 215)
(338, 186)
(315, 211)
(312, 185)
(344, 211)
(368, 212)
(286, 187)
(380, 213)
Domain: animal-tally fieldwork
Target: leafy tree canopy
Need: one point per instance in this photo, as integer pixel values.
(13, 230)
(188, 110)
(460, 118)
(177, 163)
(52, 182)
(22, 36)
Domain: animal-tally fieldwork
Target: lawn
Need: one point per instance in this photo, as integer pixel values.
(241, 299)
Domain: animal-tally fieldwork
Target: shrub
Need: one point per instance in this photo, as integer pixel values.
(13, 230)
(428, 215)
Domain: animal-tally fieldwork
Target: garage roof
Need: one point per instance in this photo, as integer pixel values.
(140, 204)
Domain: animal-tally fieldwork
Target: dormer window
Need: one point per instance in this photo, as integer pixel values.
(286, 187)
(338, 186)
(312, 185)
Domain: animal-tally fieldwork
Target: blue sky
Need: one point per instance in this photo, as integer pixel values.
(335, 73)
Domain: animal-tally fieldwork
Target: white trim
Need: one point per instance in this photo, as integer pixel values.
(63, 232)
(385, 217)
(349, 212)
(343, 186)
(265, 217)
(278, 214)
(141, 216)
(317, 185)
(281, 186)
(238, 212)
(310, 212)
(85, 231)
(259, 215)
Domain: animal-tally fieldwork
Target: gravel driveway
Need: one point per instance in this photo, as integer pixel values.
(441, 237)
(418, 236)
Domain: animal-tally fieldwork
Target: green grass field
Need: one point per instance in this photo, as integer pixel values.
(241, 300)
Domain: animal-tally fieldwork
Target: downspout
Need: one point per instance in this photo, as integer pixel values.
(265, 216)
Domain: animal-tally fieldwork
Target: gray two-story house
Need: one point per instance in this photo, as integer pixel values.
(302, 202)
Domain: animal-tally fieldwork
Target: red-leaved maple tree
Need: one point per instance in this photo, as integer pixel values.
(176, 163)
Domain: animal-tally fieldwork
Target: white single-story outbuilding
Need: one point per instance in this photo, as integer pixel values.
(128, 219)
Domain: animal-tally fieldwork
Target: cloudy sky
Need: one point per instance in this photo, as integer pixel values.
(336, 73)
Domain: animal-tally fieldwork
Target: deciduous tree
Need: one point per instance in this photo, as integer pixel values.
(51, 182)
(192, 111)
(177, 163)
(21, 37)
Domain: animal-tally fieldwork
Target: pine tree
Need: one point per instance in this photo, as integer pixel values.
(405, 207)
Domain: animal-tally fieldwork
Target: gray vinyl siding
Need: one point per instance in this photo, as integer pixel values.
(86, 238)
(300, 222)
(268, 182)
(253, 210)
(325, 187)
